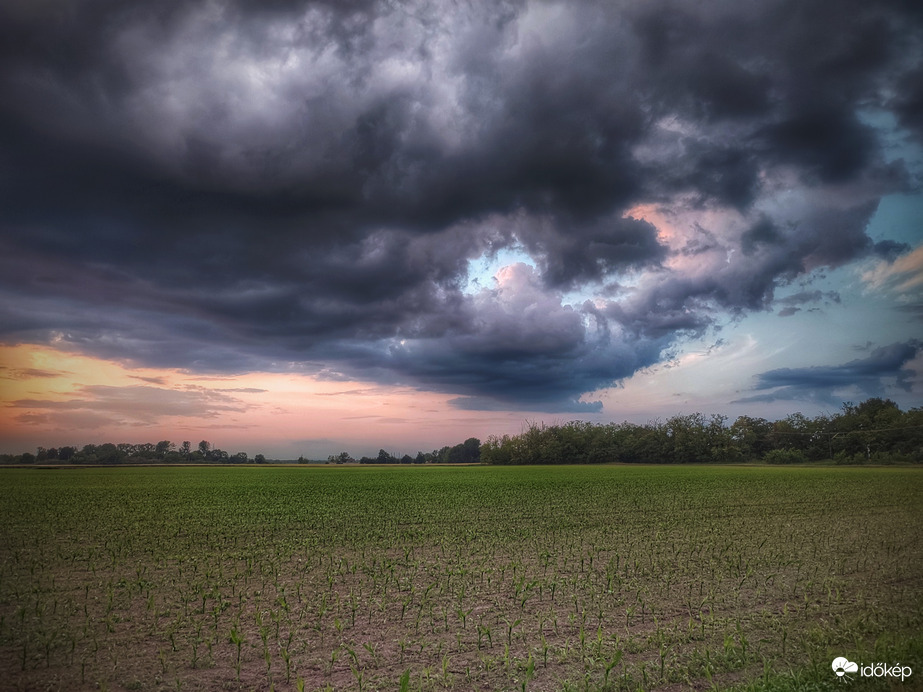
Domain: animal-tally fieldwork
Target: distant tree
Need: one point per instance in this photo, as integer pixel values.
(108, 453)
(240, 458)
(173, 457)
(205, 447)
(27, 458)
(385, 458)
(259, 459)
(472, 450)
(146, 450)
(497, 450)
(163, 447)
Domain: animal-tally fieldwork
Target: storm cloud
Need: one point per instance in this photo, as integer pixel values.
(238, 186)
(886, 367)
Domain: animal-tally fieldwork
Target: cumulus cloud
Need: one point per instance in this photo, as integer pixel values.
(239, 185)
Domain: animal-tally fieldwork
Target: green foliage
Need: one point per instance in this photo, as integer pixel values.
(876, 429)
(784, 456)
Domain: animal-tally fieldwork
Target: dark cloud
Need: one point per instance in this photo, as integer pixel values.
(827, 143)
(908, 103)
(527, 350)
(591, 252)
(249, 185)
(763, 232)
(806, 297)
(884, 368)
(890, 250)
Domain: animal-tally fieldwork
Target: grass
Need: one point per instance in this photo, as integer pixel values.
(421, 578)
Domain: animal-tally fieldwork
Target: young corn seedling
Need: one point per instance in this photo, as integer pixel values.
(355, 667)
(237, 640)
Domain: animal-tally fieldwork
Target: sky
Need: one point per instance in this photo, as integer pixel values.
(300, 227)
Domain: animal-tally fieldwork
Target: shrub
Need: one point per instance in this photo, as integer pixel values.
(785, 456)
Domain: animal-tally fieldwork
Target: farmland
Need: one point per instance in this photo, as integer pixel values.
(538, 578)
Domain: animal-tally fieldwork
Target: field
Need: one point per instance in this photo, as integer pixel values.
(489, 578)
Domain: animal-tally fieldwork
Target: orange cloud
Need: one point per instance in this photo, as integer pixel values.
(903, 274)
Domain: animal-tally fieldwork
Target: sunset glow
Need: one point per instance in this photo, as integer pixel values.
(55, 398)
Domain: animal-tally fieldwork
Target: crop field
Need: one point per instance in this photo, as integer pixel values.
(431, 578)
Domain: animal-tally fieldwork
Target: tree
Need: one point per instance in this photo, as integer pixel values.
(751, 435)
(205, 447)
(145, 450)
(163, 447)
(472, 450)
(108, 453)
(259, 459)
(497, 450)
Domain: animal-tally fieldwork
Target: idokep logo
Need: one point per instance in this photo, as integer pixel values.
(843, 666)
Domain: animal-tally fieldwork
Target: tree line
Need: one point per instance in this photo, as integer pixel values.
(874, 431)
(109, 453)
(467, 452)
(166, 452)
